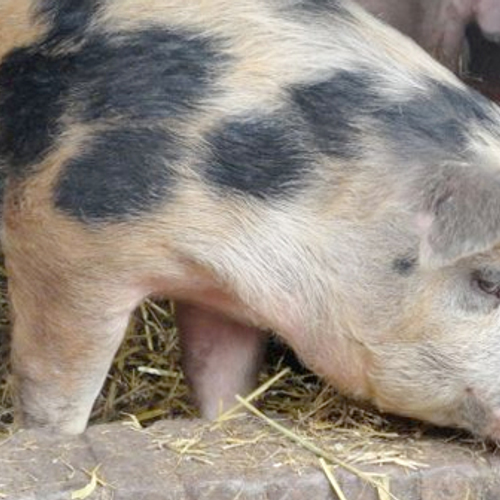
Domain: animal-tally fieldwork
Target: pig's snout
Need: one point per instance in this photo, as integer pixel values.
(477, 414)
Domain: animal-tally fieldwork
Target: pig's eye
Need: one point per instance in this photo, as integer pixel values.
(487, 286)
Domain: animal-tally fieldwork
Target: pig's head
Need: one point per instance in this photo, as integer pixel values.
(430, 302)
(415, 261)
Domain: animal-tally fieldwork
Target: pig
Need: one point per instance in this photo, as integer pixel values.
(285, 165)
(439, 25)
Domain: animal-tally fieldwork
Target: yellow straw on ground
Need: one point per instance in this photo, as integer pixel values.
(331, 478)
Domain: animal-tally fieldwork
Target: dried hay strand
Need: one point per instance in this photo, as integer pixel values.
(146, 384)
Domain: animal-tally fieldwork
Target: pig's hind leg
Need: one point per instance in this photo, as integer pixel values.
(221, 357)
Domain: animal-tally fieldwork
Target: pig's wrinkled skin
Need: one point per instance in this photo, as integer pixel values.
(291, 165)
(439, 25)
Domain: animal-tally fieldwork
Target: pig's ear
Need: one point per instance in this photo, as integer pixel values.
(460, 215)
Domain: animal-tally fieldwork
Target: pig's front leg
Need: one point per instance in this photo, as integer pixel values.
(221, 357)
(64, 338)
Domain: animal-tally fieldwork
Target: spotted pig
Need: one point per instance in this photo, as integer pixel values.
(286, 165)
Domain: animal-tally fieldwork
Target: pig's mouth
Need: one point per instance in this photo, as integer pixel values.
(478, 417)
(457, 403)
(471, 413)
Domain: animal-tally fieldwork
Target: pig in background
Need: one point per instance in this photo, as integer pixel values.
(292, 165)
(439, 26)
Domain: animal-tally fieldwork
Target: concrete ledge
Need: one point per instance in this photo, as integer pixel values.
(186, 460)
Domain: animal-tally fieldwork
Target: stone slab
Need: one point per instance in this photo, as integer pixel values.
(242, 460)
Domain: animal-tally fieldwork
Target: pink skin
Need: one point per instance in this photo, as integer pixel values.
(488, 17)
(221, 357)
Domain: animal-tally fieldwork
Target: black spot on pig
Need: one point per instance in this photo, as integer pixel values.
(260, 157)
(151, 74)
(123, 173)
(31, 86)
(67, 18)
(435, 123)
(467, 102)
(321, 7)
(331, 109)
(404, 265)
(146, 75)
